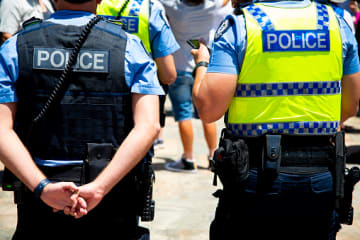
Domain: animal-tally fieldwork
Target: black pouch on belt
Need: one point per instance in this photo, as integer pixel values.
(99, 155)
(271, 159)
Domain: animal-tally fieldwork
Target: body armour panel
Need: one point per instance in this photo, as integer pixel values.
(96, 107)
(290, 81)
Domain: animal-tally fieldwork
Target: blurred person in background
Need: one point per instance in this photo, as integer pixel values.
(14, 12)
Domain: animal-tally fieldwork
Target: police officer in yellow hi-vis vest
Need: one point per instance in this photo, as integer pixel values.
(285, 74)
(146, 19)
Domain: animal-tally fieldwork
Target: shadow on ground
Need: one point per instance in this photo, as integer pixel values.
(161, 166)
(353, 154)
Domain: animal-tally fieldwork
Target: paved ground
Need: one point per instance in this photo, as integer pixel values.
(184, 204)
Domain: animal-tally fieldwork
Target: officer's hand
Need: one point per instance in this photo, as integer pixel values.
(62, 194)
(92, 193)
(79, 207)
(201, 54)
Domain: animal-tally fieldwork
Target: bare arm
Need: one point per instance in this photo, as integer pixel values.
(212, 92)
(350, 95)
(13, 153)
(18, 160)
(5, 36)
(166, 69)
(131, 151)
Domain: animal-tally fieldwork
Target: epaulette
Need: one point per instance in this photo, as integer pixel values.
(118, 22)
(31, 22)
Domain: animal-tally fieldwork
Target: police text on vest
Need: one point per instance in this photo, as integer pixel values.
(296, 40)
(56, 59)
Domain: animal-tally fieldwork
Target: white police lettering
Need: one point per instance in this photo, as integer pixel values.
(297, 40)
(42, 56)
(284, 38)
(85, 66)
(99, 61)
(131, 23)
(56, 59)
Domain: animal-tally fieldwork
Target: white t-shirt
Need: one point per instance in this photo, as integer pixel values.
(14, 12)
(219, 17)
(190, 22)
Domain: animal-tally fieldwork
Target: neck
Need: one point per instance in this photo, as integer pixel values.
(193, 2)
(86, 7)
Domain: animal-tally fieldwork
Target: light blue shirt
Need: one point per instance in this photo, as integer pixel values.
(162, 39)
(140, 69)
(229, 50)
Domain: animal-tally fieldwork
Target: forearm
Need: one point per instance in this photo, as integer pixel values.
(198, 96)
(18, 160)
(131, 151)
(166, 69)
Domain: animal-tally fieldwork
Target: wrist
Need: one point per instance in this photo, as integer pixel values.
(40, 187)
(199, 64)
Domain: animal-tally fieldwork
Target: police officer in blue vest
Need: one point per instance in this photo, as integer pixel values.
(285, 74)
(79, 98)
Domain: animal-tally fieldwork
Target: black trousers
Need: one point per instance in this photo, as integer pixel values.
(114, 218)
(296, 207)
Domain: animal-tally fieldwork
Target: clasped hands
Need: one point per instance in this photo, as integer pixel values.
(73, 200)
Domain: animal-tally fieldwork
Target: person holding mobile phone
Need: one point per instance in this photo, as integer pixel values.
(182, 15)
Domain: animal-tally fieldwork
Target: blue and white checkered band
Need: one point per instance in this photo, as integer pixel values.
(258, 129)
(261, 17)
(135, 7)
(322, 17)
(288, 89)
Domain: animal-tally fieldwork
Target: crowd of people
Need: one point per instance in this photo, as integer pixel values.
(83, 85)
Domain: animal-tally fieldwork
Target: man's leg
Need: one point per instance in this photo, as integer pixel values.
(210, 137)
(187, 138)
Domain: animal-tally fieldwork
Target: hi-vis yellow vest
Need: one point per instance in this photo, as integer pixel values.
(134, 15)
(290, 80)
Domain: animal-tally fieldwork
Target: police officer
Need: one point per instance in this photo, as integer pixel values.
(106, 109)
(146, 19)
(287, 73)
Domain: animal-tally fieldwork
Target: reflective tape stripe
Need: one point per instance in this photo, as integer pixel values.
(322, 16)
(266, 24)
(283, 128)
(261, 17)
(288, 89)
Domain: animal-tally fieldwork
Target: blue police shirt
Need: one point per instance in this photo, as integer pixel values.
(229, 49)
(162, 39)
(140, 69)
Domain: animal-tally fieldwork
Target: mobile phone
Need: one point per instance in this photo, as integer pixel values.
(194, 43)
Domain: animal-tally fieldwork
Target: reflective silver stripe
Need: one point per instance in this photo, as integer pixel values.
(288, 89)
(286, 128)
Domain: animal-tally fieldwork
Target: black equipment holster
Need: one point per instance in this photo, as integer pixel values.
(345, 180)
(145, 178)
(230, 161)
(99, 155)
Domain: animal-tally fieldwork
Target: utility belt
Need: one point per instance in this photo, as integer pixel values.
(295, 154)
(99, 155)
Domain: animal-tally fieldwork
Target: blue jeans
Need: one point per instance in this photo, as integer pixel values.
(180, 93)
(294, 207)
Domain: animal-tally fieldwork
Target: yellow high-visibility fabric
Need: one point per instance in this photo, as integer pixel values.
(288, 67)
(141, 16)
